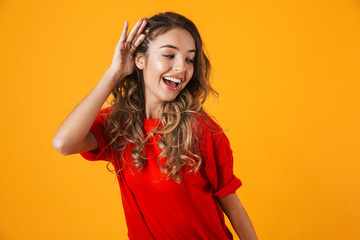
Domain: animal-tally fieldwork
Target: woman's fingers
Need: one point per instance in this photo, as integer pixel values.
(138, 41)
(123, 34)
(135, 37)
(143, 25)
(133, 31)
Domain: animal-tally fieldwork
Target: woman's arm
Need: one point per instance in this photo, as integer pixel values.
(73, 135)
(238, 217)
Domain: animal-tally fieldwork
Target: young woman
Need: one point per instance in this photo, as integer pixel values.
(173, 162)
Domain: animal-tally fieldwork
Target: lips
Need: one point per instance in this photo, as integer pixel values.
(172, 83)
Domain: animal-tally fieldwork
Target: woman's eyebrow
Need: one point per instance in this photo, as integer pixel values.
(174, 47)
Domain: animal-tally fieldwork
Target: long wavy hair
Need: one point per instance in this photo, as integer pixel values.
(176, 122)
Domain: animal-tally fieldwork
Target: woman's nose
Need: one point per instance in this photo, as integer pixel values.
(179, 65)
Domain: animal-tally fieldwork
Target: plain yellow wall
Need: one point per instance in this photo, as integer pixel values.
(288, 77)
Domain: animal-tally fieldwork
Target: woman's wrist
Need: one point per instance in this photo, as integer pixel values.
(117, 74)
(110, 79)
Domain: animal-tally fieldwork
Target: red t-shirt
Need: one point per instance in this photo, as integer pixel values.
(165, 209)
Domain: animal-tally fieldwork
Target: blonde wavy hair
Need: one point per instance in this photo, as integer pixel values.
(176, 121)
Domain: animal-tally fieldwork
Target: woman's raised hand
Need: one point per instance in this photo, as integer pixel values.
(123, 61)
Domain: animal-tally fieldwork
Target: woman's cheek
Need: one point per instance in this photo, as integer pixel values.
(161, 65)
(190, 73)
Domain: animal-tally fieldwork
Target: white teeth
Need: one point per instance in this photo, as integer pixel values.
(172, 79)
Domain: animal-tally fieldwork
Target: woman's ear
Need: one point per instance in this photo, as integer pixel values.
(139, 60)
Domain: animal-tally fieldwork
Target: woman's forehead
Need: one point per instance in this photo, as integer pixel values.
(176, 38)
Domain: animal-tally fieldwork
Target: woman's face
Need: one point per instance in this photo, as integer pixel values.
(168, 65)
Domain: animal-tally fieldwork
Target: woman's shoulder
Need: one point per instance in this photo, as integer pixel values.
(106, 110)
(105, 113)
(206, 122)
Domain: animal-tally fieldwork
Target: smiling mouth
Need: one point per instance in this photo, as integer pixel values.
(171, 82)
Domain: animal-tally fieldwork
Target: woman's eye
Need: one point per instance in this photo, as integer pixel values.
(172, 56)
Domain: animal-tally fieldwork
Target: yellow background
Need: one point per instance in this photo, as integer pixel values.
(288, 77)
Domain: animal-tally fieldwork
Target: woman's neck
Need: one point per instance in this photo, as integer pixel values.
(152, 109)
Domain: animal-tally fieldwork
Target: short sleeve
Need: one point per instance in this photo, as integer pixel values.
(98, 129)
(218, 160)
